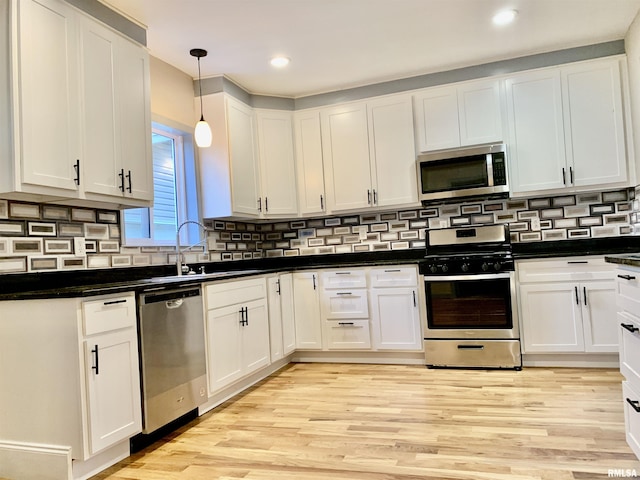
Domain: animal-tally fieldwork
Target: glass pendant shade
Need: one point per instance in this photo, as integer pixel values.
(203, 134)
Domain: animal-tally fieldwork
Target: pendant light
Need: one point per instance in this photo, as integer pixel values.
(202, 131)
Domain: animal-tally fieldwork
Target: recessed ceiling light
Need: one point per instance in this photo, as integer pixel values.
(505, 17)
(280, 62)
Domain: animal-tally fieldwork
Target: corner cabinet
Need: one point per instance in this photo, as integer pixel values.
(458, 115)
(74, 363)
(369, 154)
(568, 305)
(566, 128)
(74, 133)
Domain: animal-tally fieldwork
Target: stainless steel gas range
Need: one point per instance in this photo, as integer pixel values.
(469, 281)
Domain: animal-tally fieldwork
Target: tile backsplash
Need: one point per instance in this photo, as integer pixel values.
(41, 237)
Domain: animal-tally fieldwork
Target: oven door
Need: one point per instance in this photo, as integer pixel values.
(471, 306)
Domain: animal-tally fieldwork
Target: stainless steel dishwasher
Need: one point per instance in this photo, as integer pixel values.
(172, 352)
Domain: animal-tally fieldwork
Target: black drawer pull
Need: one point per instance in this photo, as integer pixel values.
(470, 347)
(627, 277)
(578, 261)
(392, 271)
(113, 302)
(343, 273)
(344, 293)
(635, 404)
(629, 326)
(346, 323)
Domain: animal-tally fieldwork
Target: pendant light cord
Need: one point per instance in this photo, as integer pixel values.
(200, 86)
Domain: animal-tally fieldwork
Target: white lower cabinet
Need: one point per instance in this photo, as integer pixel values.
(306, 305)
(395, 319)
(281, 318)
(628, 322)
(237, 327)
(567, 305)
(74, 363)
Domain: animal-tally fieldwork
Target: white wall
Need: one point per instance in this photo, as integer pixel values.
(632, 47)
(171, 93)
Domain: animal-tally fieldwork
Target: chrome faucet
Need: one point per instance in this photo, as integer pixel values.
(179, 267)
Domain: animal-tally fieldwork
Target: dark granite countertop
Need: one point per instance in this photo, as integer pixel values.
(79, 283)
(630, 259)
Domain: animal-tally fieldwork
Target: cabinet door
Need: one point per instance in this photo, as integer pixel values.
(113, 384)
(134, 99)
(345, 144)
(437, 122)
(255, 337)
(551, 318)
(277, 166)
(242, 152)
(599, 316)
(48, 94)
(393, 155)
(395, 319)
(479, 112)
(224, 346)
(536, 148)
(275, 318)
(594, 123)
(101, 146)
(309, 165)
(287, 313)
(306, 304)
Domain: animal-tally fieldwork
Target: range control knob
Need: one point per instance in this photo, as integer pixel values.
(445, 268)
(433, 269)
(465, 267)
(497, 266)
(485, 267)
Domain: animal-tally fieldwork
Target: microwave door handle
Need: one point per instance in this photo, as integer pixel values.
(489, 170)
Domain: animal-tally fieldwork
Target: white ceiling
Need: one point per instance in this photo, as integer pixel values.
(337, 44)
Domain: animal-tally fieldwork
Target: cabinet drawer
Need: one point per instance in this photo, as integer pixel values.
(628, 291)
(568, 269)
(394, 277)
(343, 279)
(338, 304)
(629, 347)
(631, 397)
(231, 293)
(108, 313)
(347, 335)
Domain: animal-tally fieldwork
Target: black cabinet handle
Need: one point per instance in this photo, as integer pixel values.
(344, 293)
(629, 326)
(635, 404)
(584, 291)
(577, 261)
(564, 177)
(627, 277)
(278, 286)
(346, 323)
(392, 271)
(113, 302)
(121, 175)
(369, 197)
(246, 316)
(259, 204)
(375, 197)
(266, 204)
(314, 281)
(76, 167)
(571, 174)
(470, 347)
(129, 189)
(321, 202)
(415, 304)
(96, 367)
(343, 273)
(577, 299)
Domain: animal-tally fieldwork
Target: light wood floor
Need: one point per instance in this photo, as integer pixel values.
(380, 422)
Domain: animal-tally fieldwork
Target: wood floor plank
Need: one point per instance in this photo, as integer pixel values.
(396, 422)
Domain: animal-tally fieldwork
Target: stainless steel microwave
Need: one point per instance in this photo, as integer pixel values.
(447, 175)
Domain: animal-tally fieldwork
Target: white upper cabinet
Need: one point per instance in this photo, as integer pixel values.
(309, 164)
(566, 128)
(369, 155)
(458, 115)
(80, 110)
(277, 164)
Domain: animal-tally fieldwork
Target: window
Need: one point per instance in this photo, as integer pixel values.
(174, 190)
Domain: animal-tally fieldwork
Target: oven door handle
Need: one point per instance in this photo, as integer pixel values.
(455, 278)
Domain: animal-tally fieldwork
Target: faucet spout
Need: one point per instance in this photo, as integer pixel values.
(179, 251)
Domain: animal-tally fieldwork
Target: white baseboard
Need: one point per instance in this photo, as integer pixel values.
(101, 461)
(387, 358)
(19, 461)
(582, 360)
